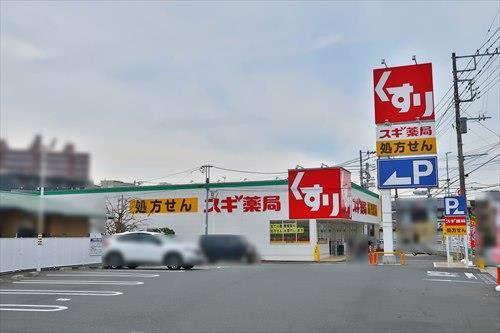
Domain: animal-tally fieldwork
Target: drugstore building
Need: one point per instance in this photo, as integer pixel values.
(259, 210)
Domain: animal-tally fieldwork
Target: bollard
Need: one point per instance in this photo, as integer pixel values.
(370, 255)
(497, 288)
(316, 253)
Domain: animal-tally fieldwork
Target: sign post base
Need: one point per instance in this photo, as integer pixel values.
(389, 259)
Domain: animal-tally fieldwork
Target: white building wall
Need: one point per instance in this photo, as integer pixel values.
(189, 226)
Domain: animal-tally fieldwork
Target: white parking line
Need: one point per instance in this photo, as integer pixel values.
(445, 280)
(59, 292)
(441, 274)
(31, 307)
(470, 276)
(122, 283)
(105, 274)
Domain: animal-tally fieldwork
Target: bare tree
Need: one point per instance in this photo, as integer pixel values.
(119, 216)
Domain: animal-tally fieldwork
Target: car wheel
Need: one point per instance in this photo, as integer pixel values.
(173, 261)
(187, 267)
(114, 261)
(251, 259)
(132, 266)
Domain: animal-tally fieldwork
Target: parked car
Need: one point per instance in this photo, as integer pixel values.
(132, 249)
(228, 248)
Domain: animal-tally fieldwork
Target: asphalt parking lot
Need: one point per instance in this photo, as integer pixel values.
(274, 297)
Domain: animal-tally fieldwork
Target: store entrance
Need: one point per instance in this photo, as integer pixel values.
(339, 235)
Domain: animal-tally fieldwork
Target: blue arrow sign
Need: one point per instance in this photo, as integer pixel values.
(410, 172)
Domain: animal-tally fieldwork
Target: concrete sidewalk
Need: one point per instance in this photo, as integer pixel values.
(334, 259)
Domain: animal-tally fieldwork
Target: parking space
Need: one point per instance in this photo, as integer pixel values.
(43, 293)
(326, 297)
(459, 276)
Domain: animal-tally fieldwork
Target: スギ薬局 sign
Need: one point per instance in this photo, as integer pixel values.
(319, 193)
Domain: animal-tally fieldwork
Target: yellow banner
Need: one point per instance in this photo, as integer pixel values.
(286, 229)
(163, 206)
(407, 147)
(372, 209)
(454, 230)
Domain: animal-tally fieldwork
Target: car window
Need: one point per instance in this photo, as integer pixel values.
(150, 239)
(134, 237)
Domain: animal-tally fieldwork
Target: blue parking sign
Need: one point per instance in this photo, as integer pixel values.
(455, 206)
(412, 172)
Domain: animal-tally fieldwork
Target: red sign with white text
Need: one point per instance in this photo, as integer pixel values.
(403, 94)
(244, 203)
(462, 220)
(319, 193)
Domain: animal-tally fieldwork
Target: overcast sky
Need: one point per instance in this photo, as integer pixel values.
(151, 88)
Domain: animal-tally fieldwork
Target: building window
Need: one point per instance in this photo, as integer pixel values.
(289, 231)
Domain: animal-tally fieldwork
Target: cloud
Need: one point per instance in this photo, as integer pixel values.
(21, 50)
(162, 87)
(327, 41)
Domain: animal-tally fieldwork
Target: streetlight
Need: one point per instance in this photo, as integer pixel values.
(42, 175)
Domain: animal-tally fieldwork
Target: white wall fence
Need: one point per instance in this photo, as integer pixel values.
(21, 253)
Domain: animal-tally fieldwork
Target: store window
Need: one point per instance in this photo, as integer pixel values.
(289, 231)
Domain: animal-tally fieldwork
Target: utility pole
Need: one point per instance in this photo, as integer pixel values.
(360, 168)
(206, 169)
(364, 172)
(461, 172)
(458, 127)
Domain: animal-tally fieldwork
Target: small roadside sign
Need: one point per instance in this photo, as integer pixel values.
(414, 172)
(455, 211)
(454, 230)
(455, 220)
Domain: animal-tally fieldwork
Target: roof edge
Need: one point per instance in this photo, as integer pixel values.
(276, 182)
(364, 190)
(168, 187)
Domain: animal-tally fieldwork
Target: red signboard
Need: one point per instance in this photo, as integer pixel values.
(455, 220)
(403, 94)
(319, 193)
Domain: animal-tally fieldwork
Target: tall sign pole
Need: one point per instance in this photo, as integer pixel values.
(449, 259)
(404, 116)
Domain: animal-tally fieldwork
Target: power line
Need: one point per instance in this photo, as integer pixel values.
(250, 172)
